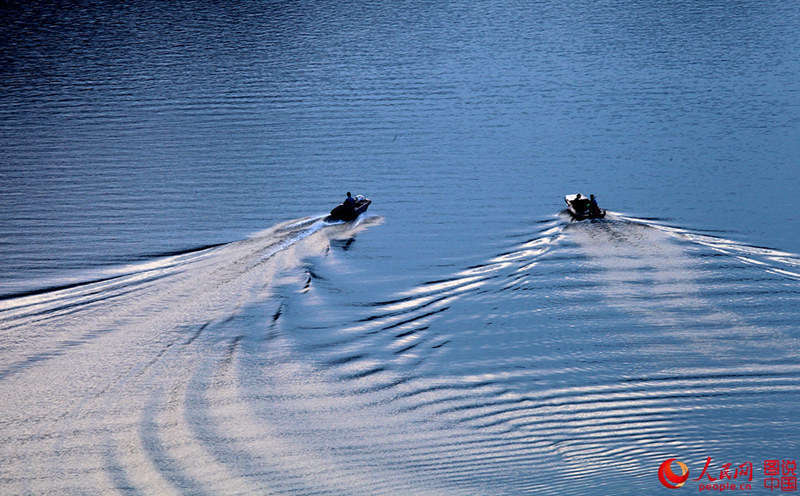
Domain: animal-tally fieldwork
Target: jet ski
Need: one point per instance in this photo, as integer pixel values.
(341, 212)
(580, 208)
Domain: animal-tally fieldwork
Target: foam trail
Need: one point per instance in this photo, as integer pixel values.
(575, 357)
(105, 374)
(771, 260)
(648, 269)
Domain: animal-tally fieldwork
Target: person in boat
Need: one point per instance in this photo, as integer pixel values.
(594, 209)
(349, 203)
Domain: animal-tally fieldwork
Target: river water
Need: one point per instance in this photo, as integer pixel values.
(176, 316)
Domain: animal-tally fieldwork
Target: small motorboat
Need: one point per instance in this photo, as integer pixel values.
(342, 213)
(581, 207)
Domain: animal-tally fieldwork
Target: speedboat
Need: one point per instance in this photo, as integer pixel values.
(341, 212)
(580, 208)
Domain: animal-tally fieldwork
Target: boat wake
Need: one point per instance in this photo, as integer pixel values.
(122, 372)
(582, 350)
(574, 359)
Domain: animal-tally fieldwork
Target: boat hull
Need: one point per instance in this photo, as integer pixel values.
(579, 207)
(342, 213)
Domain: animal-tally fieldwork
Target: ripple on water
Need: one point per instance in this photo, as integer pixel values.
(581, 352)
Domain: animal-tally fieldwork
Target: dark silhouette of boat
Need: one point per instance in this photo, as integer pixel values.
(342, 212)
(581, 207)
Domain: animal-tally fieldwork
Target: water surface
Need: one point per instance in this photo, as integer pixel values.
(177, 317)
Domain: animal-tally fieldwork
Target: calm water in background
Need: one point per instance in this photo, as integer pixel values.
(464, 337)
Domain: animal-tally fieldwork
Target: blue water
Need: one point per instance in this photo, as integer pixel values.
(177, 316)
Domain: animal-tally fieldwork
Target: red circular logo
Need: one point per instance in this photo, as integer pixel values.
(669, 478)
